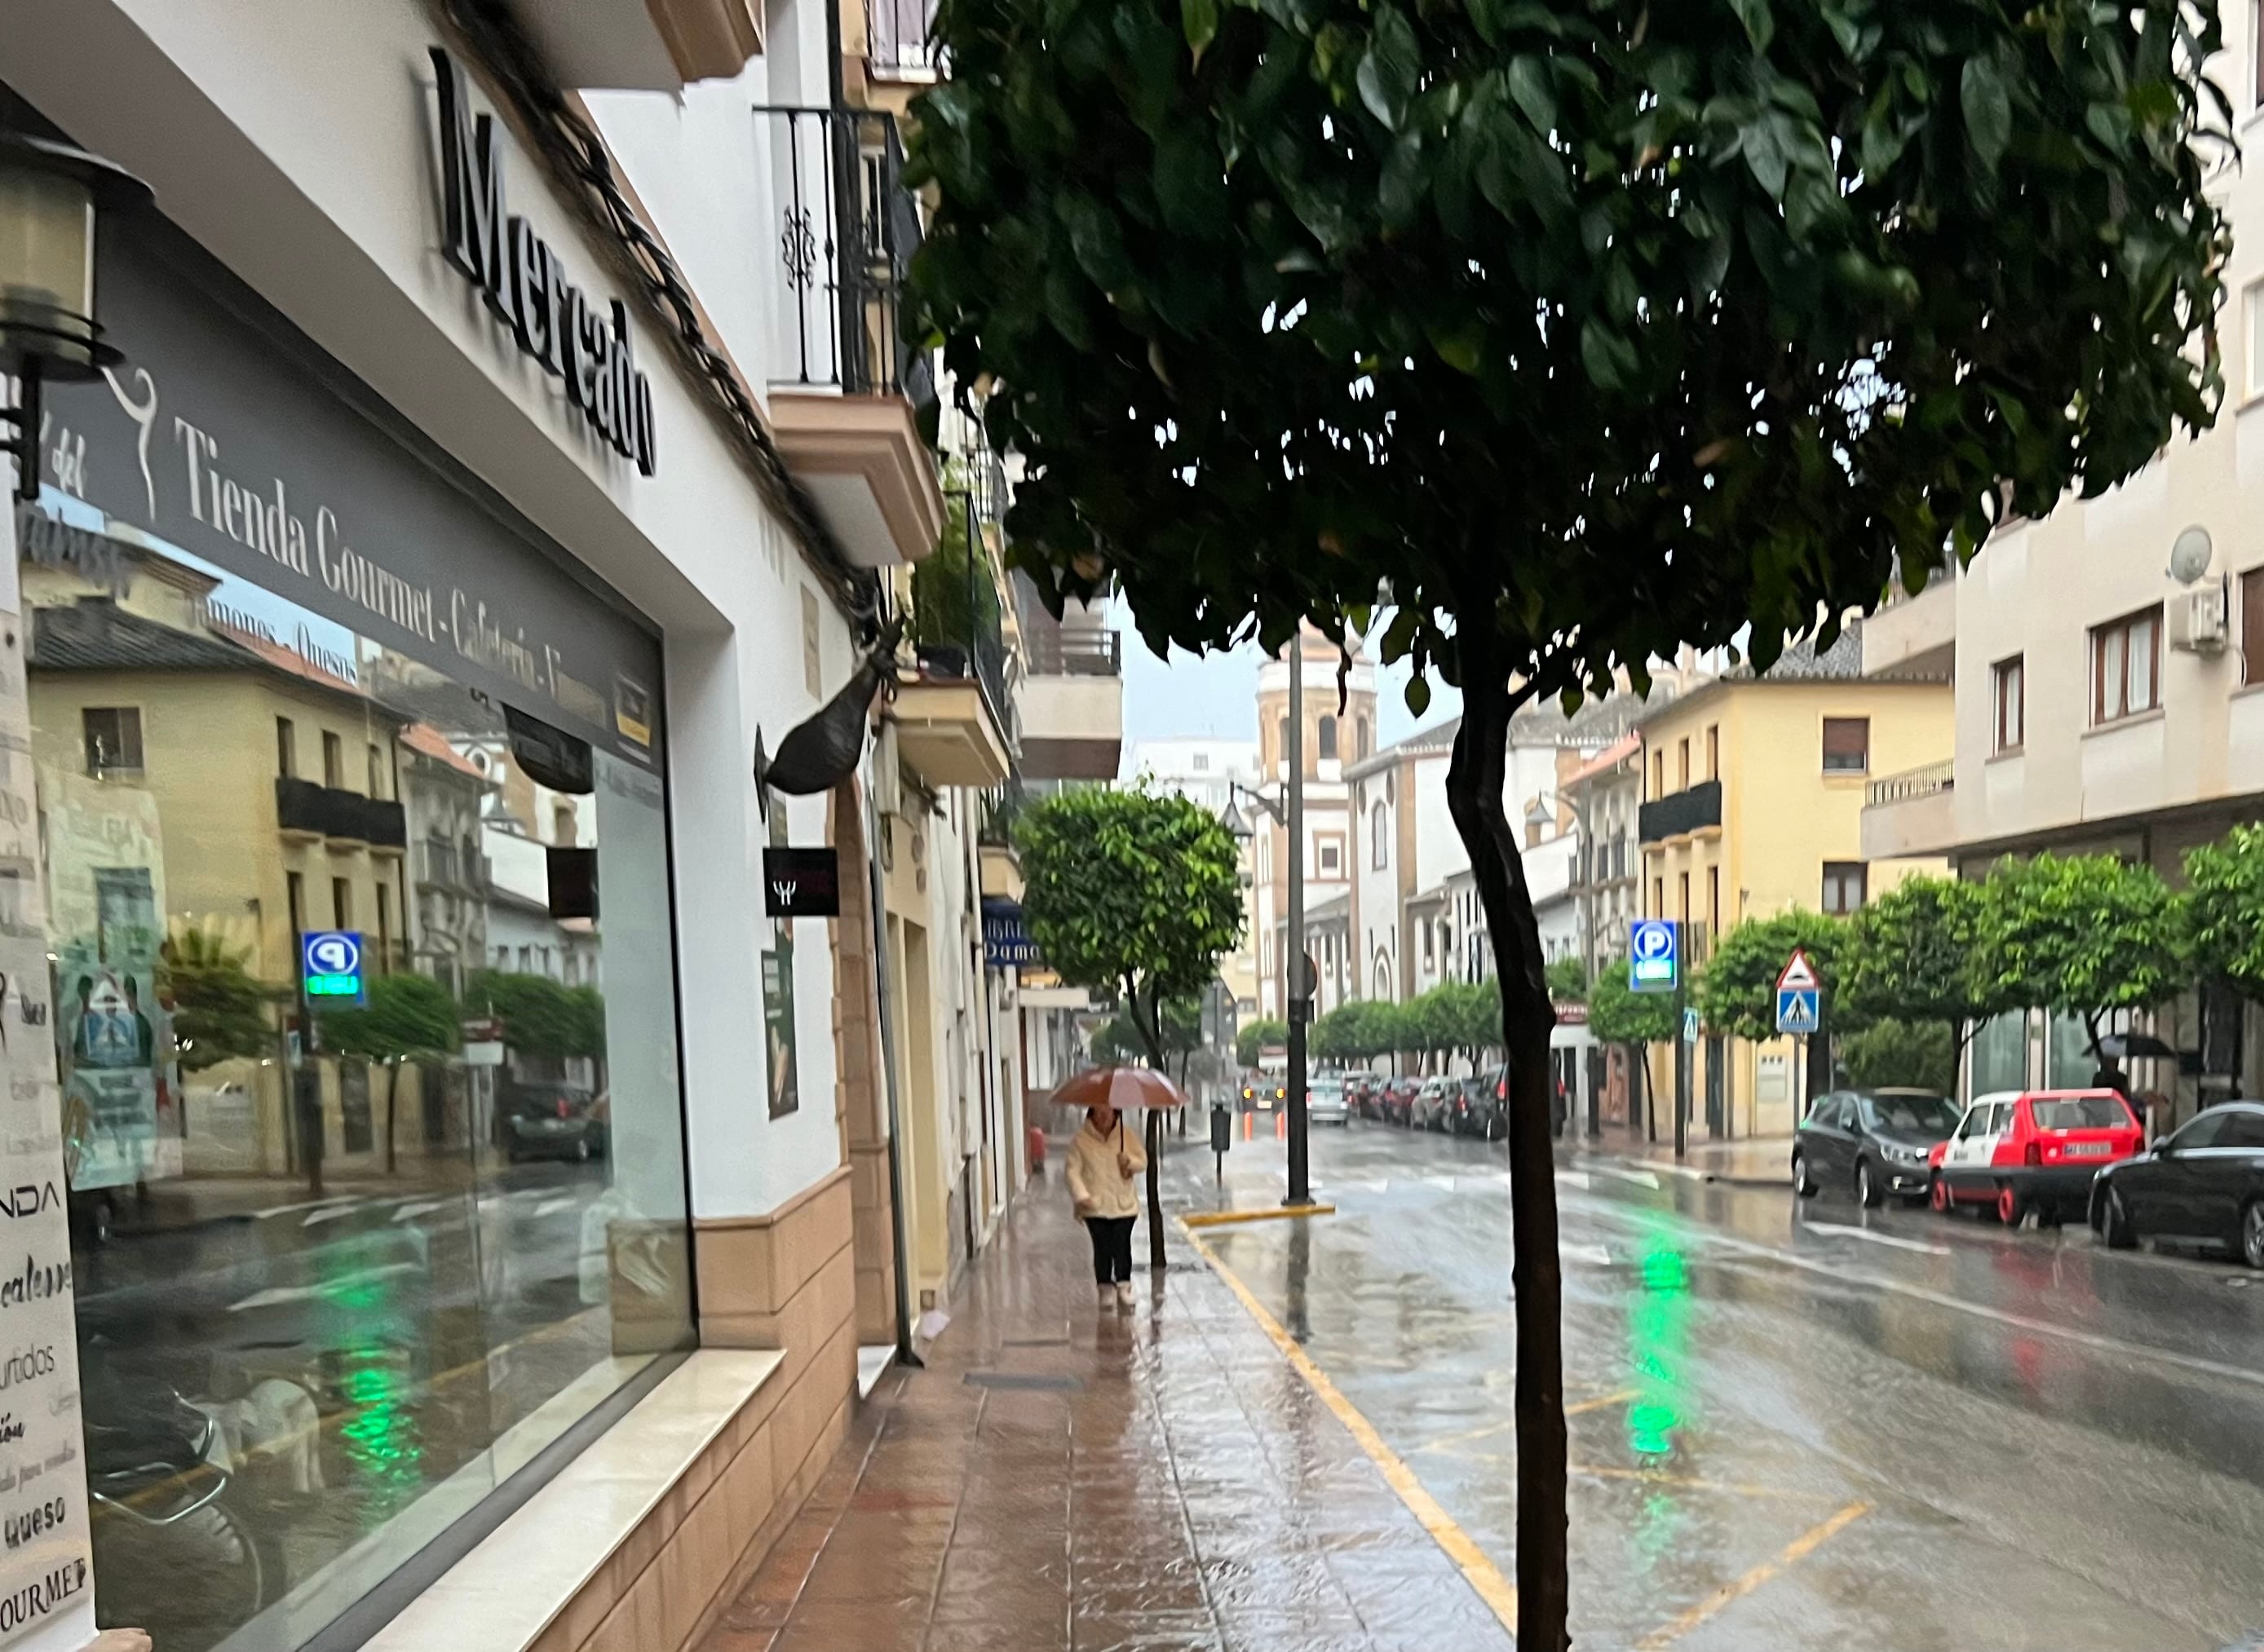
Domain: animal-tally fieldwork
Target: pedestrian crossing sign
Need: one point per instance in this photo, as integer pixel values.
(1797, 1011)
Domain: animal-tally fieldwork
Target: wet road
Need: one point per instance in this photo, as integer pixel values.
(1795, 1427)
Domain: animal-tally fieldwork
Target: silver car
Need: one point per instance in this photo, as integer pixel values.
(1324, 1101)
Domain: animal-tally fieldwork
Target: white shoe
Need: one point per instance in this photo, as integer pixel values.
(1124, 1297)
(1107, 1297)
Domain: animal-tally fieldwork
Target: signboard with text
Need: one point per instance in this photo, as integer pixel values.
(801, 882)
(329, 968)
(1654, 955)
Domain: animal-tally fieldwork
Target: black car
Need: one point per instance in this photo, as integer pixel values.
(2204, 1185)
(1873, 1142)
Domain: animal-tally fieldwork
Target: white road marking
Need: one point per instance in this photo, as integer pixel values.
(422, 1207)
(1942, 1299)
(1595, 1254)
(1854, 1232)
(1641, 1178)
(281, 1294)
(552, 1206)
(1577, 1178)
(305, 1204)
(333, 1212)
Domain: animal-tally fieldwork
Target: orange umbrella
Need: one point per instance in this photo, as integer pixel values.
(1125, 1089)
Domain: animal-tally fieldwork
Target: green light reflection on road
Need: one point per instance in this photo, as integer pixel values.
(1656, 1328)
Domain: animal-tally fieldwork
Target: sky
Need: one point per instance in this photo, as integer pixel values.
(1217, 694)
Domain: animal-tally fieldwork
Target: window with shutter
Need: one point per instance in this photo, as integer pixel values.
(1846, 745)
(2251, 627)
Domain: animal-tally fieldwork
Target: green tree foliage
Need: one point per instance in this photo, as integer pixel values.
(1595, 329)
(409, 1016)
(2224, 909)
(540, 1017)
(1360, 1031)
(1909, 958)
(1453, 1017)
(222, 1011)
(1134, 893)
(1252, 1037)
(1568, 979)
(1736, 993)
(954, 594)
(2080, 936)
(1618, 1014)
(1119, 1041)
(1918, 1055)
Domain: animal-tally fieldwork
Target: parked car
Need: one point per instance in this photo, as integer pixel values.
(2204, 1185)
(1429, 1109)
(1263, 1092)
(1873, 1142)
(2038, 1151)
(1491, 1105)
(1324, 1101)
(1398, 1101)
(555, 1121)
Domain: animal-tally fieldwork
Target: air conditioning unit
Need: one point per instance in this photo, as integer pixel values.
(2197, 617)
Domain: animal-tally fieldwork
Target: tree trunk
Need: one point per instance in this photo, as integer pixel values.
(1474, 794)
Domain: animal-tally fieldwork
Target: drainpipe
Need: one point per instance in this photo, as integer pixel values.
(880, 899)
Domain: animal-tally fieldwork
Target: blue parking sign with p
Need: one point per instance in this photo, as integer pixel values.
(1654, 955)
(329, 965)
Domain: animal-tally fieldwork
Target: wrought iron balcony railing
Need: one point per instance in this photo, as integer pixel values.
(847, 229)
(899, 40)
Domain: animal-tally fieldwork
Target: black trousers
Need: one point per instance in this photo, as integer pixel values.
(1111, 1248)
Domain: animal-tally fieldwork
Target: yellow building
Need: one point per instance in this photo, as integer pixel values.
(1753, 792)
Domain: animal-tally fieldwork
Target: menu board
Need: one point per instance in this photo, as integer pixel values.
(47, 1576)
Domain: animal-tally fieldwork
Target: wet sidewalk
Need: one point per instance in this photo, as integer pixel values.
(1056, 1478)
(1754, 1162)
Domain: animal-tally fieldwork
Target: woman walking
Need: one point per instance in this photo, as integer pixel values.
(1104, 1156)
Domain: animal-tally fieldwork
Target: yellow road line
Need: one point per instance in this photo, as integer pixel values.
(1231, 1218)
(1796, 1551)
(1686, 1482)
(1496, 1590)
(1491, 1429)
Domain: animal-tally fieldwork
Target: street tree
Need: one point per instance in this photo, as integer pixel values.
(1918, 1054)
(1737, 994)
(408, 1018)
(2224, 909)
(1618, 1014)
(2081, 935)
(1909, 957)
(1134, 893)
(222, 1011)
(1591, 327)
(1567, 979)
(1119, 1039)
(1251, 1038)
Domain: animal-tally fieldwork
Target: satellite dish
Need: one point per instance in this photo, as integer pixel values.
(2189, 556)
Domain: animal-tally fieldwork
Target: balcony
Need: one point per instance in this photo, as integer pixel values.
(1913, 814)
(955, 719)
(899, 43)
(1694, 808)
(642, 45)
(1914, 636)
(846, 390)
(443, 864)
(307, 811)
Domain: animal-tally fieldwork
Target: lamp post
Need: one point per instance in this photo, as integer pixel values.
(1297, 988)
(52, 197)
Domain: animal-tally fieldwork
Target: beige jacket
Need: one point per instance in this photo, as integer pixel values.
(1094, 1181)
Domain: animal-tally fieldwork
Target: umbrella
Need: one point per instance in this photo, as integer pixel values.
(2135, 1047)
(1122, 1088)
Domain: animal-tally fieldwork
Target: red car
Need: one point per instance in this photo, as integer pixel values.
(2033, 1150)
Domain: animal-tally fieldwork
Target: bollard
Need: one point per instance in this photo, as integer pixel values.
(1221, 1136)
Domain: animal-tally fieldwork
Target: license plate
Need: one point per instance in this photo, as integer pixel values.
(2088, 1150)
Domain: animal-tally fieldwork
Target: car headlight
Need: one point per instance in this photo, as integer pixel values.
(1907, 1155)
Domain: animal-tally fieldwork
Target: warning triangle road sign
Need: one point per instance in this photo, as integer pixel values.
(1797, 973)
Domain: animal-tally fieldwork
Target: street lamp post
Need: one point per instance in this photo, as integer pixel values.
(1296, 989)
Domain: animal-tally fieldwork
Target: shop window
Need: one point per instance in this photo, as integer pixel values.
(2126, 666)
(1846, 745)
(113, 738)
(467, 1336)
(1845, 883)
(2251, 627)
(2009, 704)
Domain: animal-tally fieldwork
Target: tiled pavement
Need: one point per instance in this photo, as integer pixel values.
(1059, 1479)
